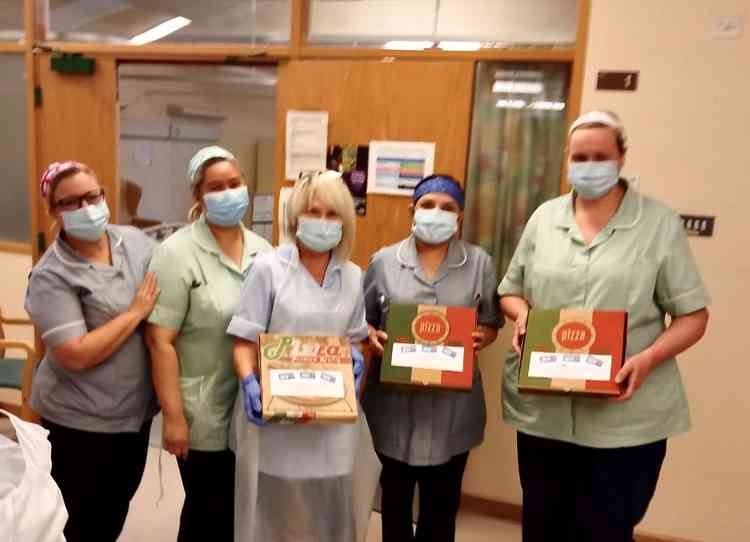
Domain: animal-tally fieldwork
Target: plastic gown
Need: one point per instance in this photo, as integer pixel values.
(305, 482)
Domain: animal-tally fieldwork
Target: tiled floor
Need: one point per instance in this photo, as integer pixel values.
(149, 522)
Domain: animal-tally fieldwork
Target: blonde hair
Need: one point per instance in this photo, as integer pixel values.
(330, 189)
(196, 210)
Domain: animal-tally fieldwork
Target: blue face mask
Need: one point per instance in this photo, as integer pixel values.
(592, 180)
(87, 223)
(226, 208)
(319, 234)
(434, 226)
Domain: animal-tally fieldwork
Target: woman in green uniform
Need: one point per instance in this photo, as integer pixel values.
(202, 267)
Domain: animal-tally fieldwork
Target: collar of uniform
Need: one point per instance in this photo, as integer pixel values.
(627, 216)
(70, 257)
(205, 239)
(289, 254)
(407, 253)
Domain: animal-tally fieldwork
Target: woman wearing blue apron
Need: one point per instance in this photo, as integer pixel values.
(300, 482)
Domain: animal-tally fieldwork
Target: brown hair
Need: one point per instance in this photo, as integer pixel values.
(64, 175)
(196, 210)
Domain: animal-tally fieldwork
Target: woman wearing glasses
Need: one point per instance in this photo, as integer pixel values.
(87, 296)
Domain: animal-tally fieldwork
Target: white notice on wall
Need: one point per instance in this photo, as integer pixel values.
(142, 154)
(307, 383)
(571, 366)
(263, 208)
(264, 229)
(306, 141)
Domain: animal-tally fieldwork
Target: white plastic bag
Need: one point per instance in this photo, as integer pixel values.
(31, 505)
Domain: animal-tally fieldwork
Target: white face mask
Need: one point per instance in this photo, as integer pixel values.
(87, 223)
(319, 234)
(226, 207)
(434, 226)
(593, 180)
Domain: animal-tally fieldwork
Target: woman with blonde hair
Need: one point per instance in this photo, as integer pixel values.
(202, 267)
(88, 295)
(299, 482)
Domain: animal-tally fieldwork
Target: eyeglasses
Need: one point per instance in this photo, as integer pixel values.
(76, 202)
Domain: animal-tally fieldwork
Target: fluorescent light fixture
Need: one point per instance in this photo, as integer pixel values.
(519, 75)
(510, 104)
(405, 45)
(160, 30)
(517, 87)
(547, 106)
(460, 45)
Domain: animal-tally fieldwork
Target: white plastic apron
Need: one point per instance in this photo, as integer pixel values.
(306, 482)
(31, 505)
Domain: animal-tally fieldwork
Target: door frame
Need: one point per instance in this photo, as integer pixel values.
(34, 46)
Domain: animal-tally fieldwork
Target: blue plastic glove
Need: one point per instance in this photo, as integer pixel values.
(252, 401)
(358, 361)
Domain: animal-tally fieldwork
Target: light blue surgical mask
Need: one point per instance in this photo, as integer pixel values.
(434, 226)
(226, 208)
(592, 180)
(319, 234)
(87, 223)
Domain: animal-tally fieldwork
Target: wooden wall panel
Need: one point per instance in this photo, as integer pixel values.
(78, 119)
(369, 100)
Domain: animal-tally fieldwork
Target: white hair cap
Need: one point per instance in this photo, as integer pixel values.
(203, 156)
(600, 117)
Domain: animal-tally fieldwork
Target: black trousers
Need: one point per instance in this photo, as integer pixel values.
(208, 510)
(98, 474)
(576, 493)
(439, 499)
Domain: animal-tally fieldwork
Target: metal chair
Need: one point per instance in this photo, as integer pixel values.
(16, 373)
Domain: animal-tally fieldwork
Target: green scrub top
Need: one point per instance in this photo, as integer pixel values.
(640, 262)
(200, 287)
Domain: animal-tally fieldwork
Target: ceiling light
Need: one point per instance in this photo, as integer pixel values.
(510, 104)
(405, 45)
(460, 45)
(160, 30)
(548, 106)
(517, 87)
(519, 75)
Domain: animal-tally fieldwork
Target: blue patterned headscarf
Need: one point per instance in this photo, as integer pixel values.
(444, 184)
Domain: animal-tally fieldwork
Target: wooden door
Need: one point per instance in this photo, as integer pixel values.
(77, 118)
(376, 100)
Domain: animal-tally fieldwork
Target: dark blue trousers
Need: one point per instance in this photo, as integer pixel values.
(581, 494)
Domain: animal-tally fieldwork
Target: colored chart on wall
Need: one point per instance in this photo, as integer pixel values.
(395, 167)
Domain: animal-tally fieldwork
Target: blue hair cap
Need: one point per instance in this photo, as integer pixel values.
(443, 184)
